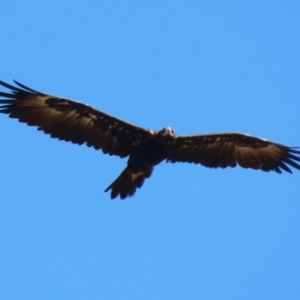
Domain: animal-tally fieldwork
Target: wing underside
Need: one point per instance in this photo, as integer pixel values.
(70, 120)
(230, 149)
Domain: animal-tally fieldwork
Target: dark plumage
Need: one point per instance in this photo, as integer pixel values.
(80, 123)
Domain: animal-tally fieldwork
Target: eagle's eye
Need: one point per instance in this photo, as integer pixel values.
(170, 130)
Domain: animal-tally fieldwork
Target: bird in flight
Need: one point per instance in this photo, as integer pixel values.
(79, 123)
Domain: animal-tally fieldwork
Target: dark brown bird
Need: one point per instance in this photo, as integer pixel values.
(80, 123)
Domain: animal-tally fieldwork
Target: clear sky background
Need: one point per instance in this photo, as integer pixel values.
(190, 232)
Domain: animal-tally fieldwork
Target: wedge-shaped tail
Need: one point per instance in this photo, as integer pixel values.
(127, 183)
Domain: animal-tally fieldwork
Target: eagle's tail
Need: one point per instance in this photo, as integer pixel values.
(128, 181)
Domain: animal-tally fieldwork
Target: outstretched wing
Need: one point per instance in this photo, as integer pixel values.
(229, 149)
(71, 121)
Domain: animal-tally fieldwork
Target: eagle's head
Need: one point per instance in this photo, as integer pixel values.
(167, 131)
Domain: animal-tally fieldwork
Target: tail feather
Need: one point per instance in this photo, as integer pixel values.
(127, 183)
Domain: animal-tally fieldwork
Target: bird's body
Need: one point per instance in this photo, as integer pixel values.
(153, 150)
(141, 162)
(79, 123)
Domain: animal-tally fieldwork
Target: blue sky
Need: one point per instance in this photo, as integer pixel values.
(190, 232)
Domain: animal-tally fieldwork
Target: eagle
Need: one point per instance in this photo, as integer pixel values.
(79, 123)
